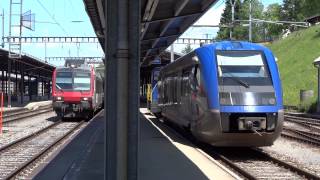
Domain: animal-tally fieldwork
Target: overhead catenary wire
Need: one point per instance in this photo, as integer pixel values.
(51, 16)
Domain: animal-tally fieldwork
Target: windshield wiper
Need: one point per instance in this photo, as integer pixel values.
(59, 87)
(246, 85)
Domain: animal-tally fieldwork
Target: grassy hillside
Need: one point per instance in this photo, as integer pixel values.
(296, 54)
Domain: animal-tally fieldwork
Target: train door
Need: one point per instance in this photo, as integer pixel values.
(185, 93)
(95, 98)
(195, 93)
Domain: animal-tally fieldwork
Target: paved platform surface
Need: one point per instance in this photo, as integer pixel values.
(160, 156)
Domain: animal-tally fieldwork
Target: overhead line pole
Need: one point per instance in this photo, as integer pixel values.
(250, 21)
(2, 44)
(233, 3)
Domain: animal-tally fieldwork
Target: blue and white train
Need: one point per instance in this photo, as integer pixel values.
(226, 93)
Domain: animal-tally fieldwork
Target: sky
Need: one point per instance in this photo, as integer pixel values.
(57, 18)
(47, 14)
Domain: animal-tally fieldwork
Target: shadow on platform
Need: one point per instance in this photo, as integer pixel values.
(83, 158)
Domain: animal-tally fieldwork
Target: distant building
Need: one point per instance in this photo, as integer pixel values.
(313, 19)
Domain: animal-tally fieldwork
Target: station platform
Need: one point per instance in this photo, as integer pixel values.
(162, 155)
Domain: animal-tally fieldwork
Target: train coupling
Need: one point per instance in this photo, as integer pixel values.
(252, 123)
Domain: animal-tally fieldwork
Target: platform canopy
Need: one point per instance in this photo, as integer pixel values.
(32, 65)
(162, 22)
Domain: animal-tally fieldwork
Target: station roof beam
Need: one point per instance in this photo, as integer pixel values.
(162, 22)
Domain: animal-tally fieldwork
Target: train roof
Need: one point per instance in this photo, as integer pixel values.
(221, 45)
(76, 68)
(233, 45)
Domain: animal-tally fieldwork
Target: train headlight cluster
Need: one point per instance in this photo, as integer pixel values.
(85, 99)
(58, 98)
(272, 101)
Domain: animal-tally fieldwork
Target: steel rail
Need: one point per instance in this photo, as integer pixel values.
(22, 111)
(207, 149)
(313, 136)
(305, 124)
(213, 152)
(303, 115)
(301, 138)
(34, 158)
(5, 147)
(299, 171)
(25, 114)
(310, 119)
(267, 157)
(224, 159)
(303, 121)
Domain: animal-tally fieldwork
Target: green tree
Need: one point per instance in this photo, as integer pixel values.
(257, 13)
(226, 19)
(310, 8)
(292, 10)
(273, 13)
(187, 49)
(241, 32)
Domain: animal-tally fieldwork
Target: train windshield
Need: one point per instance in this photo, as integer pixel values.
(64, 80)
(244, 78)
(79, 81)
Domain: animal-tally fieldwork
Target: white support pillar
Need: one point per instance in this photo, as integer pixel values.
(172, 52)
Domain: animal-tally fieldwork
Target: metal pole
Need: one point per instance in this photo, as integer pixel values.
(318, 103)
(2, 81)
(122, 89)
(171, 53)
(250, 21)
(233, 3)
(2, 28)
(21, 83)
(9, 83)
(45, 50)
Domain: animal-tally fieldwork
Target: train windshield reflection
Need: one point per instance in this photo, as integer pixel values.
(244, 69)
(73, 81)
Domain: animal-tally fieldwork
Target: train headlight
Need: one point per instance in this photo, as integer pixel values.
(59, 98)
(272, 101)
(85, 99)
(223, 101)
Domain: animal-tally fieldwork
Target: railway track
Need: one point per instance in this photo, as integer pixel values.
(301, 136)
(255, 164)
(17, 155)
(25, 113)
(311, 123)
(309, 136)
(248, 162)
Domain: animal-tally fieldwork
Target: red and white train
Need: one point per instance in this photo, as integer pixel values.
(77, 91)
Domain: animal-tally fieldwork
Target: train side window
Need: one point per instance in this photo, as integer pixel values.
(166, 88)
(185, 88)
(197, 75)
(176, 81)
(195, 78)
